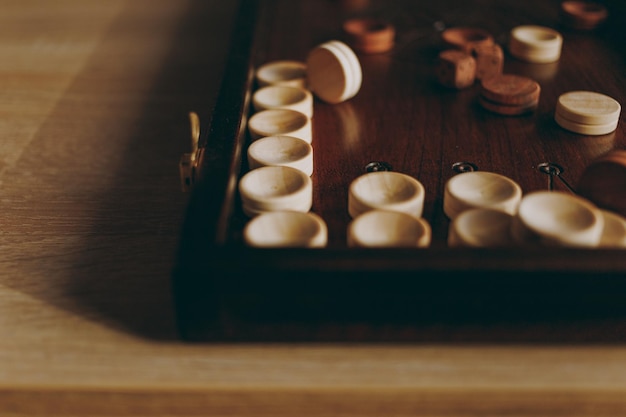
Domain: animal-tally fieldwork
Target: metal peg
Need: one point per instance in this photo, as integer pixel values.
(460, 167)
(376, 166)
(553, 170)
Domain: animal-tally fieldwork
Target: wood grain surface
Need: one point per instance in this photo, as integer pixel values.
(93, 120)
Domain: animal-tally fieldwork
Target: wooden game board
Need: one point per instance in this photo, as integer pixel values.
(402, 116)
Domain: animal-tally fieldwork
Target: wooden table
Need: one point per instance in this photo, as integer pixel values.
(95, 97)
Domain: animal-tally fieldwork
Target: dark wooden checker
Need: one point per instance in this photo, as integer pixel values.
(402, 116)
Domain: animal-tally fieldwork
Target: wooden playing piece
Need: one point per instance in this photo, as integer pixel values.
(561, 219)
(510, 89)
(386, 190)
(456, 69)
(283, 97)
(480, 189)
(585, 129)
(588, 107)
(383, 228)
(481, 228)
(507, 109)
(333, 72)
(281, 151)
(280, 122)
(583, 15)
(286, 229)
(283, 72)
(604, 181)
(274, 188)
(369, 35)
(536, 44)
(614, 231)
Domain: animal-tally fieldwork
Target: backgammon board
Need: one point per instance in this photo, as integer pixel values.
(403, 117)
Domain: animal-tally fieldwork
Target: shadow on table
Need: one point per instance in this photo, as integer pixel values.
(111, 173)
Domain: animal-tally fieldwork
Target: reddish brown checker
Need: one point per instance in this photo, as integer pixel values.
(510, 89)
(604, 181)
(369, 35)
(583, 15)
(507, 109)
(466, 38)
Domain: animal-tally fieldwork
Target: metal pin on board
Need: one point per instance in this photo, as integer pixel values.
(463, 166)
(553, 170)
(376, 166)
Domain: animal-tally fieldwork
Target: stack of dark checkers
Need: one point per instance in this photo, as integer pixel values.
(509, 94)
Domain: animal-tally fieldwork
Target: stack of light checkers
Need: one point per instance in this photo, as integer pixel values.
(509, 94)
(386, 208)
(587, 112)
(277, 192)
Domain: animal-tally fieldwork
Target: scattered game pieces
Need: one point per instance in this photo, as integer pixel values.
(383, 228)
(333, 72)
(473, 55)
(509, 94)
(536, 44)
(583, 15)
(456, 69)
(369, 35)
(286, 229)
(485, 209)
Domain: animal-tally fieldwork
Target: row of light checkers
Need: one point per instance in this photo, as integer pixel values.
(277, 192)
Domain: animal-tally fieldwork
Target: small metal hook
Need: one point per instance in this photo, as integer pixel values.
(553, 170)
(376, 166)
(460, 167)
